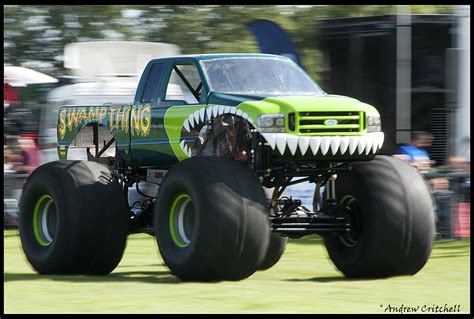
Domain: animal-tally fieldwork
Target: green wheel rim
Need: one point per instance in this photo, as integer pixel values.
(181, 220)
(44, 220)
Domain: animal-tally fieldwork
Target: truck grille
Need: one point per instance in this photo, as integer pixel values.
(315, 122)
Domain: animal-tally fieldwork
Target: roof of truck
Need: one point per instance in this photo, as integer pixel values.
(200, 57)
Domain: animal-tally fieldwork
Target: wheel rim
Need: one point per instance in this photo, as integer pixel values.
(181, 222)
(45, 220)
(351, 212)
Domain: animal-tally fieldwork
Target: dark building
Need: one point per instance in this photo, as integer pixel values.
(364, 56)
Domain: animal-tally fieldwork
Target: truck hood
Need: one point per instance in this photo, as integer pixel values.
(289, 104)
(255, 105)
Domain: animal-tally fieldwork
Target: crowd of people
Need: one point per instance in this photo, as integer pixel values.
(449, 184)
(21, 156)
(21, 153)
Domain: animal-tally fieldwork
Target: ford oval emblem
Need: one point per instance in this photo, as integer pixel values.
(330, 122)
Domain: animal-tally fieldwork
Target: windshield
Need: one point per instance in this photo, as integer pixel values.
(258, 75)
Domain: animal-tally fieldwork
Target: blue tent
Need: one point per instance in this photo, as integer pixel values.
(273, 40)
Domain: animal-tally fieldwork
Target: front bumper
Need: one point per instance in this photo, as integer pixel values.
(369, 143)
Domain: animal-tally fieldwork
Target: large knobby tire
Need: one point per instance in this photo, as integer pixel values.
(277, 245)
(391, 207)
(73, 219)
(210, 220)
(275, 250)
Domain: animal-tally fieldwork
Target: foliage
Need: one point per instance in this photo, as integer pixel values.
(34, 36)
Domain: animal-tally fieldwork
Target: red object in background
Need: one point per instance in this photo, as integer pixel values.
(242, 155)
(462, 220)
(10, 94)
(32, 136)
(32, 157)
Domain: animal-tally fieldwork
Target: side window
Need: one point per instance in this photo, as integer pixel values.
(151, 86)
(184, 85)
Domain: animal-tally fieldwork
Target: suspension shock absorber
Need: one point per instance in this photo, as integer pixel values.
(331, 191)
(331, 187)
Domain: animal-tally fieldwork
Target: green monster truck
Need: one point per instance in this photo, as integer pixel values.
(222, 136)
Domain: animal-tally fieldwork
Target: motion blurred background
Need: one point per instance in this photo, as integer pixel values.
(412, 62)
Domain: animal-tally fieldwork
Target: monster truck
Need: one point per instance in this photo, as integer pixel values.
(222, 136)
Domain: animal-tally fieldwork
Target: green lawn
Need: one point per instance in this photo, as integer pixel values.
(304, 281)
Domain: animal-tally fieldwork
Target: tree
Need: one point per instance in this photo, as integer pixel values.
(35, 36)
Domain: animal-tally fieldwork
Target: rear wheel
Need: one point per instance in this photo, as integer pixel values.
(210, 220)
(73, 219)
(389, 205)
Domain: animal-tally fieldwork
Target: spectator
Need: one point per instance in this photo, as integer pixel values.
(415, 152)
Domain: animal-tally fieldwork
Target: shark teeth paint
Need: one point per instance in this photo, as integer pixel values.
(191, 120)
(271, 139)
(353, 142)
(281, 142)
(303, 143)
(345, 144)
(196, 117)
(368, 146)
(325, 145)
(361, 145)
(292, 142)
(335, 142)
(204, 114)
(365, 144)
(185, 148)
(186, 125)
(221, 109)
(314, 143)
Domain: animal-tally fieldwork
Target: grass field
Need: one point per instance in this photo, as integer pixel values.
(304, 281)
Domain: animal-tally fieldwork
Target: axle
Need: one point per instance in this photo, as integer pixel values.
(298, 226)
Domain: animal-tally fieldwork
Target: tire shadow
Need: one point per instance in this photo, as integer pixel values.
(452, 244)
(330, 279)
(151, 277)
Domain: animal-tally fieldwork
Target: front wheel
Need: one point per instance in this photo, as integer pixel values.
(210, 220)
(393, 223)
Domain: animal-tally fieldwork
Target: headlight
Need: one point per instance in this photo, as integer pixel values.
(373, 123)
(271, 123)
(280, 122)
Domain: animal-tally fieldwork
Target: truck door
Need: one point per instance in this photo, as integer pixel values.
(170, 93)
(147, 134)
(186, 109)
